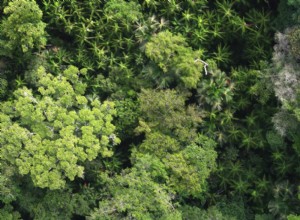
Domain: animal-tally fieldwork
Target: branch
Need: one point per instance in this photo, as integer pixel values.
(205, 65)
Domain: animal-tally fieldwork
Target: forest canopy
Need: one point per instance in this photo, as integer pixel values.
(150, 109)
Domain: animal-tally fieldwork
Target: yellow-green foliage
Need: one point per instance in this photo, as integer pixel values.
(23, 30)
(134, 195)
(178, 62)
(294, 38)
(49, 133)
(182, 168)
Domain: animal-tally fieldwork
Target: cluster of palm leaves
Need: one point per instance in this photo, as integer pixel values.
(102, 37)
(229, 88)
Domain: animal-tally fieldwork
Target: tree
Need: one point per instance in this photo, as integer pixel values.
(8, 213)
(23, 31)
(46, 204)
(165, 111)
(293, 217)
(49, 133)
(178, 63)
(120, 10)
(134, 195)
(216, 90)
(184, 169)
(3, 86)
(285, 77)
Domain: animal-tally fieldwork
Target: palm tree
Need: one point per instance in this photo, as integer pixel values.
(256, 196)
(222, 55)
(216, 32)
(171, 9)
(251, 119)
(220, 137)
(242, 103)
(226, 117)
(202, 22)
(163, 23)
(235, 169)
(248, 141)
(262, 184)
(82, 35)
(256, 51)
(240, 186)
(118, 43)
(225, 8)
(278, 155)
(259, 19)
(129, 42)
(126, 25)
(151, 4)
(283, 167)
(97, 51)
(187, 16)
(278, 208)
(239, 24)
(69, 26)
(19, 82)
(139, 59)
(224, 179)
(234, 133)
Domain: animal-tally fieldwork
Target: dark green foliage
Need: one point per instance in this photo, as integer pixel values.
(134, 195)
(234, 209)
(209, 123)
(294, 40)
(120, 10)
(263, 217)
(7, 212)
(190, 212)
(182, 168)
(165, 111)
(223, 210)
(57, 204)
(294, 4)
(127, 120)
(3, 86)
(171, 138)
(284, 18)
(216, 90)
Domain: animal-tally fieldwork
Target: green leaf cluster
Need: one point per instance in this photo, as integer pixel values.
(208, 117)
(178, 63)
(50, 134)
(22, 31)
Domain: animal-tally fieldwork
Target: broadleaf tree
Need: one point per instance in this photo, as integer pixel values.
(51, 132)
(22, 31)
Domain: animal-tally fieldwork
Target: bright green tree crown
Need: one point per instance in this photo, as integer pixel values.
(49, 135)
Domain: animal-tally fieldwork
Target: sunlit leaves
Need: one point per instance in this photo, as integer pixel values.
(183, 168)
(23, 30)
(165, 111)
(294, 39)
(215, 90)
(52, 129)
(190, 168)
(259, 19)
(222, 55)
(126, 195)
(56, 129)
(175, 59)
(120, 10)
(226, 8)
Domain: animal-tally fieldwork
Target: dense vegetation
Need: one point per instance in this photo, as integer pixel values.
(150, 109)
